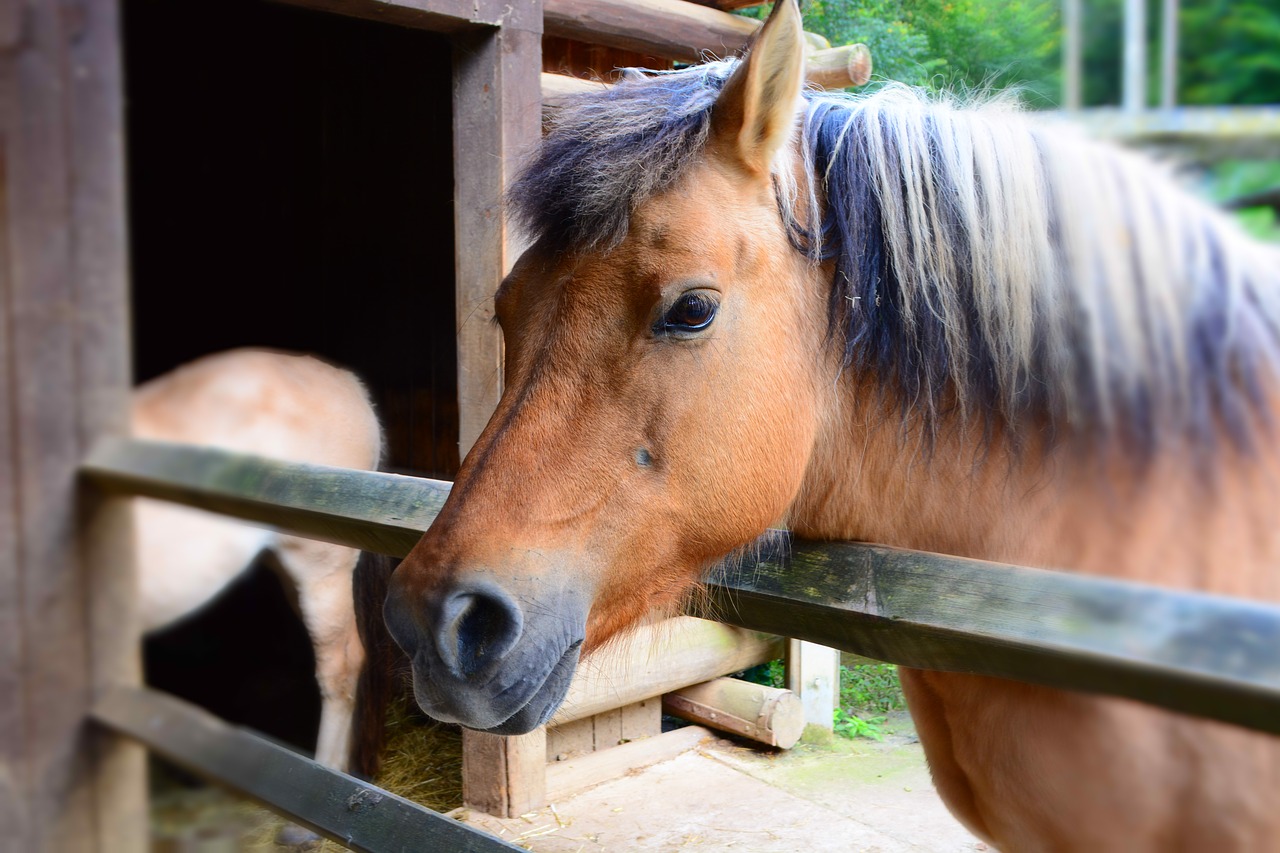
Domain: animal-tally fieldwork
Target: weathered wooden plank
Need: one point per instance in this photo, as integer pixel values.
(573, 774)
(356, 814)
(497, 119)
(504, 776)
(15, 778)
(670, 28)
(1207, 655)
(104, 380)
(834, 68)
(769, 715)
(63, 259)
(437, 15)
(379, 512)
(656, 659)
(728, 5)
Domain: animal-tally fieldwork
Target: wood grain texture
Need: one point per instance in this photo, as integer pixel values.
(504, 776)
(66, 556)
(386, 513)
(768, 715)
(1200, 654)
(566, 777)
(668, 28)
(497, 119)
(448, 16)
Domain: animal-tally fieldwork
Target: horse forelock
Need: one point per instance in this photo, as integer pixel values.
(606, 153)
(986, 265)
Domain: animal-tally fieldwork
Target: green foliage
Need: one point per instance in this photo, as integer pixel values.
(1234, 178)
(993, 44)
(1229, 52)
(871, 687)
(852, 726)
(868, 692)
(954, 44)
(771, 674)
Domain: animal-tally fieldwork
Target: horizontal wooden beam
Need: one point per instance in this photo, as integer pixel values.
(833, 68)
(355, 814)
(729, 5)
(386, 513)
(1207, 655)
(657, 659)
(564, 778)
(1200, 654)
(1209, 133)
(670, 28)
(436, 15)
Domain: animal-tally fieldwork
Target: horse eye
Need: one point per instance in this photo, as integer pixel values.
(692, 312)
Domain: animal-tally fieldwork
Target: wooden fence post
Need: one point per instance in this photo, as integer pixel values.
(497, 119)
(813, 674)
(66, 582)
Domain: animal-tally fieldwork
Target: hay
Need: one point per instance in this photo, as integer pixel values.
(422, 762)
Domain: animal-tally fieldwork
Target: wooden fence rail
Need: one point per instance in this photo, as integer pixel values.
(1207, 655)
(355, 814)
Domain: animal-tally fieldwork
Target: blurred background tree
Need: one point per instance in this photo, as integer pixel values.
(1229, 50)
(1228, 54)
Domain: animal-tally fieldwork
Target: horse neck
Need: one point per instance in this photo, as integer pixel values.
(874, 478)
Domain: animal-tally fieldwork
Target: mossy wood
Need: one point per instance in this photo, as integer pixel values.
(1207, 655)
(1211, 656)
(670, 28)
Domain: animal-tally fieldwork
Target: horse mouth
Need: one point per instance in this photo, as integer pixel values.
(494, 707)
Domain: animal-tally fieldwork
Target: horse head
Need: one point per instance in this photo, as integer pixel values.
(659, 402)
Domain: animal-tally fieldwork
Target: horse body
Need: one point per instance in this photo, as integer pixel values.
(279, 405)
(919, 326)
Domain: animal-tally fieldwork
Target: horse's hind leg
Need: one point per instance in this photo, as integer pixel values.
(322, 573)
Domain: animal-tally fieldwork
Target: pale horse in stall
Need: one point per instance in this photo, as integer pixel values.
(286, 406)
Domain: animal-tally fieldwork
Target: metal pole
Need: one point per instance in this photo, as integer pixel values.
(1169, 54)
(1071, 51)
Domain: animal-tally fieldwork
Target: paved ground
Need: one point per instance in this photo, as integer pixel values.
(858, 796)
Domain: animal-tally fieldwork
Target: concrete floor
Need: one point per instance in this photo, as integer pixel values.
(859, 796)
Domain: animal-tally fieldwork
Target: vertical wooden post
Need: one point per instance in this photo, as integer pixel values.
(504, 776)
(66, 581)
(1071, 55)
(813, 674)
(497, 118)
(1169, 54)
(1135, 55)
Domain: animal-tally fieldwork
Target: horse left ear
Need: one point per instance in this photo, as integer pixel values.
(755, 114)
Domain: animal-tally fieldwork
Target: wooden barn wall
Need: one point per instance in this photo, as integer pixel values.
(290, 185)
(592, 61)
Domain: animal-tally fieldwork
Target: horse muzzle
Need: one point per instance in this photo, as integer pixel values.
(489, 654)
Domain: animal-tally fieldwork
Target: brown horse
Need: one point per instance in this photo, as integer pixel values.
(887, 318)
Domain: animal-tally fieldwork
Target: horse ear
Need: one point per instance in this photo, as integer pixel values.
(755, 114)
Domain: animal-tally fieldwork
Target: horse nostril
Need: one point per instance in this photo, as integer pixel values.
(478, 626)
